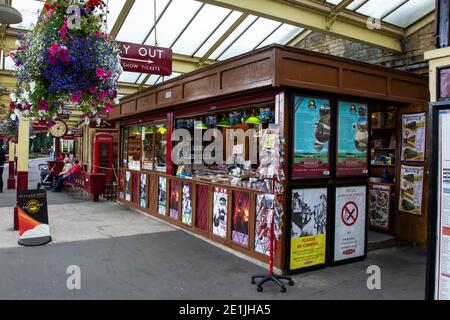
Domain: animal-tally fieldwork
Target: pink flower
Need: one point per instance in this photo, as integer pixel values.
(53, 49)
(42, 105)
(76, 96)
(49, 13)
(27, 106)
(92, 90)
(109, 107)
(13, 54)
(63, 31)
(105, 36)
(12, 106)
(100, 72)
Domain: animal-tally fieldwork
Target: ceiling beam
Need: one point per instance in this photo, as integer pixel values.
(299, 37)
(313, 15)
(121, 18)
(422, 23)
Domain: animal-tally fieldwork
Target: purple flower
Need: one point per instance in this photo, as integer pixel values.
(42, 105)
(100, 72)
(109, 107)
(76, 96)
(92, 90)
(12, 106)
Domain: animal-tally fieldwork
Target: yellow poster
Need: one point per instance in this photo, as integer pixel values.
(309, 225)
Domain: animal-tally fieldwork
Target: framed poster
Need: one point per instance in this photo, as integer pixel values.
(162, 200)
(174, 199)
(444, 83)
(186, 207)
(411, 189)
(413, 136)
(127, 185)
(241, 211)
(264, 211)
(380, 206)
(220, 210)
(352, 139)
(350, 223)
(308, 228)
(143, 191)
(121, 185)
(312, 129)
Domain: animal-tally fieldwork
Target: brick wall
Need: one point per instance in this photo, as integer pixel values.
(412, 58)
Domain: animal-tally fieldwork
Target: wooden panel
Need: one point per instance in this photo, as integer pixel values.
(153, 194)
(201, 212)
(169, 95)
(129, 107)
(408, 89)
(136, 188)
(146, 103)
(202, 87)
(304, 71)
(246, 75)
(362, 81)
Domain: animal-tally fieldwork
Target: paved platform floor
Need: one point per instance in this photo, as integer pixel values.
(126, 255)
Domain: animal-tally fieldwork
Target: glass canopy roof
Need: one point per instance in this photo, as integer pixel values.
(191, 28)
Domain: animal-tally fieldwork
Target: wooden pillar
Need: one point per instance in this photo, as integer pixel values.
(57, 148)
(11, 184)
(170, 127)
(23, 148)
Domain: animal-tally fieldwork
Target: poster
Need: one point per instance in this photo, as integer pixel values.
(413, 136)
(264, 210)
(353, 139)
(220, 209)
(121, 185)
(162, 200)
(379, 206)
(143, 191)
(174, 199)
(411, 189)
(186, 206)
(350, 223)
(241, 211)
(309, 227)
(442, 274)
(128, 186)
(34, 229)
(312, 125)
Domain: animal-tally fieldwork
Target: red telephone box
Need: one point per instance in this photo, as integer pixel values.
(103, 154)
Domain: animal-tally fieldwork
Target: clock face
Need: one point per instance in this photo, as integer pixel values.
(59, 129)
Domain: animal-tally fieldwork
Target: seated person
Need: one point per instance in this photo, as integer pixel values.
(50, 176)
(69, 176)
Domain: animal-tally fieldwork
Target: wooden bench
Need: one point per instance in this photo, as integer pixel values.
(77, 186)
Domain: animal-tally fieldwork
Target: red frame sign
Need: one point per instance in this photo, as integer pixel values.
(146, 59)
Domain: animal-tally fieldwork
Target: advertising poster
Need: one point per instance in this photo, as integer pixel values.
(220, 212)
(241, 211)
(33, 218)
(350, 223)
(309, 227)
(143, 191)
(121, 185)
(379, 206)
(264, 210)
(162, 200)
(174, 199)
(442, 274)
(312, 123)
(411, 189)
(413, 136)
(353, 139)
(186, 207)
(128, 186)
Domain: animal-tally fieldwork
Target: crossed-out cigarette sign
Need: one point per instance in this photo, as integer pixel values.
(350, 213)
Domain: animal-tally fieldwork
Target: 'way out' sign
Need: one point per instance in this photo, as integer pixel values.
(145, 59)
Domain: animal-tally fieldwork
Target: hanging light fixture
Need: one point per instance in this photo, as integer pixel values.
(8, 14)
(200, 125)
(162, 130)
(253, 119)
(149, 130)
(224, 122)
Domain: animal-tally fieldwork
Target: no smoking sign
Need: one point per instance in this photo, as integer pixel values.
(350, 213)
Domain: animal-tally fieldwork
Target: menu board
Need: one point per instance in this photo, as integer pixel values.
(411, 189)
(309, 227)
(186, 207)
(312, 125)
(353, 139)
(379, 206)
(220, 210)
(413, 136)
(241, 210)
(442, 274)
(350, 223)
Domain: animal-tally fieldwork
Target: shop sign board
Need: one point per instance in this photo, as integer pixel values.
(312, 129)
(34, 229)
(308, 228)
(146, 59)
(353, 139)
(350, 223)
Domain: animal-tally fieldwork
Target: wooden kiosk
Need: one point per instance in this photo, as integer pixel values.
(330, 159)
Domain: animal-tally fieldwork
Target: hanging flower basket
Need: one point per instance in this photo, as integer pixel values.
(67, 60)
(9, 130)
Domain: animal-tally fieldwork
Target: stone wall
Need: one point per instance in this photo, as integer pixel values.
(412, 58)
